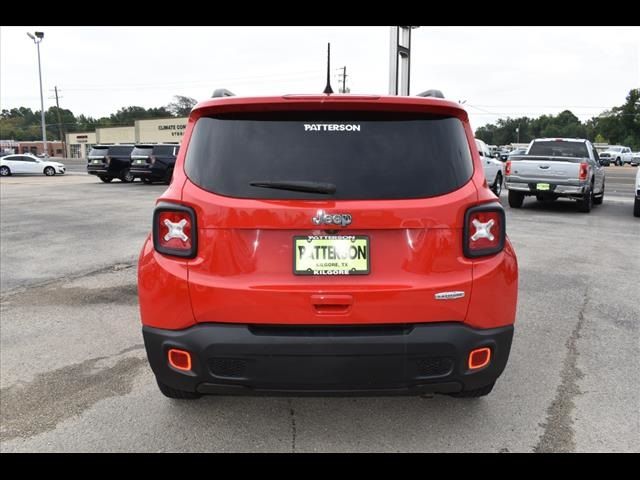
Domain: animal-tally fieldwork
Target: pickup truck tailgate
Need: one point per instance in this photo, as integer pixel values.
(539, 169)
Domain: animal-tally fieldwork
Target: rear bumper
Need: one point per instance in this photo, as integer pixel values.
(556, 189)
(146, 172)
(328, 360)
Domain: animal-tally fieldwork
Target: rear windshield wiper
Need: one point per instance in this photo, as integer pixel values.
(296, 186)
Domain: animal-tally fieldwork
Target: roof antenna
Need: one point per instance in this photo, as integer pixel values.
(328, 88)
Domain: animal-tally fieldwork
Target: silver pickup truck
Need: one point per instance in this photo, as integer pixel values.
(553, 168)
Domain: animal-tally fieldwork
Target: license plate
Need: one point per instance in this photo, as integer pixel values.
(139, 161)
(96, 161)
(542, 186)
(331, 255)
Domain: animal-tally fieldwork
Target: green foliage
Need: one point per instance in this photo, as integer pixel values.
(619, 125)
(181, 106)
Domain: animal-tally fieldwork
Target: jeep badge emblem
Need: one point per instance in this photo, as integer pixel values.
(322, 218)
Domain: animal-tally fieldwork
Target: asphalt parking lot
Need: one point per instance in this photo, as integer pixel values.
(74, 376)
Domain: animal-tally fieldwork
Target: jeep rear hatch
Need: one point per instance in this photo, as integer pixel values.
(373, 201)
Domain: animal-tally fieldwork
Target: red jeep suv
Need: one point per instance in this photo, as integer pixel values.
(328, 245)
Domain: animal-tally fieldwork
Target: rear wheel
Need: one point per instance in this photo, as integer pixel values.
(586, 203)
(49, 171)
(497, 185)
(618, 162)
(167, 391)
(105, 179)
(636, 208)
(126, 176)
(478, 392)
(515, 199)
(4, 171)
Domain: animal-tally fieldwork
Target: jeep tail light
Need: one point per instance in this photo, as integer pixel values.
(174, 230)
(151, 160)
(107, 159)
(507, 168)
(484, 230)
(584, 170)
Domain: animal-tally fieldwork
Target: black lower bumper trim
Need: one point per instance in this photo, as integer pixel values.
(232, 359)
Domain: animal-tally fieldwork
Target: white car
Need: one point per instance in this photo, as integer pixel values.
(493, 168)
(635, 160)
(617, 155)
(27, 163)
(636, 203)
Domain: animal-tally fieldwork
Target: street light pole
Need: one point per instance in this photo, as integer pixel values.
(37, 39)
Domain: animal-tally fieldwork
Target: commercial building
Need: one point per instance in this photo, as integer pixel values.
(156, 130)
(9, 147)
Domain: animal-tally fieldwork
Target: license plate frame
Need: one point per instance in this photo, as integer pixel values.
(321, 240)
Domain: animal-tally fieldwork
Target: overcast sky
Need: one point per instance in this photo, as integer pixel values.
(498, 71)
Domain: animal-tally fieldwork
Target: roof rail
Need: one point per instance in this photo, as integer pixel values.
(222, 92)
(432, 93)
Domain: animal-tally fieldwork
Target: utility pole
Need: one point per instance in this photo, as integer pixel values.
(64, 142)
(344, 80)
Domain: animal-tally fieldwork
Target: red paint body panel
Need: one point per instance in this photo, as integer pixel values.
(243, 270)
(163, 290)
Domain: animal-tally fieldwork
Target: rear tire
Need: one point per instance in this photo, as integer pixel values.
(4, 171)
(126, 176)
(49, 171)
(169, 392)
(105, 179)
(478, 392)
(636, 208)
(497, 185)
(515, 199)
(586, 203)
(618, 162)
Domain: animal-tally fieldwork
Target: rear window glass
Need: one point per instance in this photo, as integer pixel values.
(141, 151)
(120, 150)
(365, 155)
(98, 152)
(559, 149)
(166, 150)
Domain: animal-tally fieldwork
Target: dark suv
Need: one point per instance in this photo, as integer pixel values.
(110, 161)
(154, 163)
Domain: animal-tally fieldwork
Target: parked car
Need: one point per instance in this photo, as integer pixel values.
(493, 168)
(327, 244)
(617, 155)
(111, 161)
(502, 154)
(554, 168)
(28, 163)
(517, 151)
(636, 203)
(154, 162)
(635, 159)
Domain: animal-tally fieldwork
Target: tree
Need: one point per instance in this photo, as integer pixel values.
(181, 106)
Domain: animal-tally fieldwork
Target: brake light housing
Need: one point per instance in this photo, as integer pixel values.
(584, 171)
(484, 230)
(175, 230)
(507, 168)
